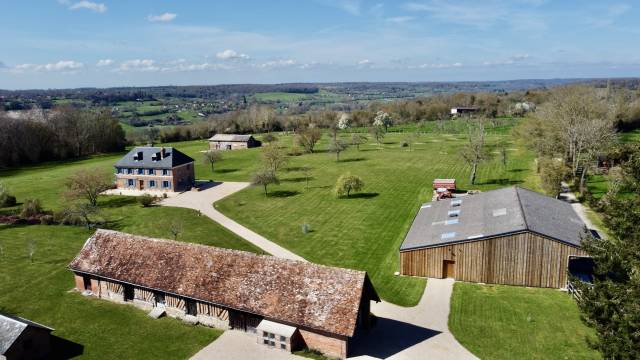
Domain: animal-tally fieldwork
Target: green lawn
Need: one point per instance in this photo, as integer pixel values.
(39, 290)
(508, 322)
(365, 231)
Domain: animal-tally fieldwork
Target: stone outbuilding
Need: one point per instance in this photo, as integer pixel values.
(286, 304)
(232, 142)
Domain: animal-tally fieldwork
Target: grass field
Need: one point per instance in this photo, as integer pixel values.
(508, 322)
(39, 290)
(365, 231)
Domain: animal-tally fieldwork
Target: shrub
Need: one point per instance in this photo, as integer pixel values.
(306, 228)
(269, 138)
(147, 200)
(348, 183)
(404, 144)
(31, 208)
(46, 220)
(7, 200)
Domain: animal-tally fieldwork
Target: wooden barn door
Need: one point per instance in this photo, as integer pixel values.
(449, 269)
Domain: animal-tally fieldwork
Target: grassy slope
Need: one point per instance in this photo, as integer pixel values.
(363, 232)
(506, 322)
(40, 291)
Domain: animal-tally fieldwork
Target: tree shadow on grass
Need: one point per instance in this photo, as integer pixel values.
(361, 196)
(62, 349)
(389, 337)
(225, 171)
(353, 160)
(283, 193)
(294, 168)
(111, 201)
(501, 182)
(296, 179)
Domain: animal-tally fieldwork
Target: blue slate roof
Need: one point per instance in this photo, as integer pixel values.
(153, 158)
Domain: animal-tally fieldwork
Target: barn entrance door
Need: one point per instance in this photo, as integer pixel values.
(448, 269)
(243, 321)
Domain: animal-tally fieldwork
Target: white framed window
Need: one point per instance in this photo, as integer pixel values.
(165, 172)
(140, 171)
(152, 171)
(130, 182)
(152, 183)
(166, 184)
(129, 171)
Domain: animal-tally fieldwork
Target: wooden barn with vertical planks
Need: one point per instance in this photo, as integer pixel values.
(287, 304)
(508, 236)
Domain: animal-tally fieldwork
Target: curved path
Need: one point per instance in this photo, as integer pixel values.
(203, 201)
(417, 332)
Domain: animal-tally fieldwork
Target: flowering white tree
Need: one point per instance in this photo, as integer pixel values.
(344, 121)
(382, 119)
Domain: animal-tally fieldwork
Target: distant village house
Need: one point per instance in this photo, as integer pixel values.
(287, 304)
(155, 169)
(23, 339)
(232, 142)
(463, 110)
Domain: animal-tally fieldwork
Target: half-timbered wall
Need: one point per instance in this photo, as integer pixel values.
(524, 259)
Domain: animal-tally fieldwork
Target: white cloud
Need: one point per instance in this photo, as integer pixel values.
(104, 62)
(231, 55)
(399, 19)
(2, 65)
(144, 65)
(364, 62)
(436, 66)
(518, 58)
(181, 65)
(277, 64)
(63, 65)
(166, 17)
(84, 4)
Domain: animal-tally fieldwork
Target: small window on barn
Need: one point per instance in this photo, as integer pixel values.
(448, 235)
(191, 307)
(455, 203)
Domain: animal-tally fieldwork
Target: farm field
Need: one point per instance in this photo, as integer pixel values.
(364, 231)
(509, 322)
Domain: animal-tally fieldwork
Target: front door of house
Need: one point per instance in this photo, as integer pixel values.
(448, 269)
(140, 184)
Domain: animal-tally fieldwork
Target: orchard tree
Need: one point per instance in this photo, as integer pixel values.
(212, 157)
(347, 184)
(474, 151)
(358, 139)
(344, 121)
(337, 146)
(273, 157)
(552, 173)
(87, 184)
(264, 178)
(382, 119)
(308, 138)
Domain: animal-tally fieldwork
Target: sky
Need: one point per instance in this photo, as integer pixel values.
(105, 43)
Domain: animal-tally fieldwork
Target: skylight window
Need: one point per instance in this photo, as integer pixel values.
(456, 202)
(475, 236)
(448, 235)
(500, 212)
(451, 222)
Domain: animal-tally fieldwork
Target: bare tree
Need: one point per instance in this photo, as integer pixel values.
(87, 184)
(337, 146)
(176, 227)
(306, 171)
(358, 139)
(273, 157)
(212, 157)
(474, 151)
(378, 133)
(264, 178)
(308, 138)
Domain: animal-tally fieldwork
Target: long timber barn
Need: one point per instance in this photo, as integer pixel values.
(509, 236)
(287, 304)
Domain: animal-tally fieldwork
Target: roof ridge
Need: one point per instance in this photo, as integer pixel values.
(524, 215)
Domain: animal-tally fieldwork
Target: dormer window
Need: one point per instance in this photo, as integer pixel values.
(138, 156)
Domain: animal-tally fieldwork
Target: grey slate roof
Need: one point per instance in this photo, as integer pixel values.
(230, 137)
(172, 158)
(11, 328)
(494, 213)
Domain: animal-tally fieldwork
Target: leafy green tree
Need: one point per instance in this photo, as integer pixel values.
(264, 178)
(552, 174)
(308, 138)
(347, 184)
(610, 304)
(273, 157)
(378, 133)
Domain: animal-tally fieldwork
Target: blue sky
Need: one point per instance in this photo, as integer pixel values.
(74, 43)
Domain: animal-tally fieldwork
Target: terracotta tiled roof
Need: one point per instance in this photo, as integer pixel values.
(319, 297)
